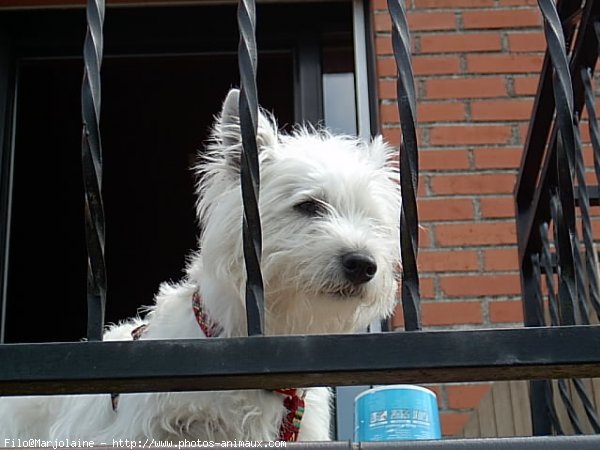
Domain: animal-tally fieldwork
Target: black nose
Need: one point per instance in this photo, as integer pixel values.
(359, 267)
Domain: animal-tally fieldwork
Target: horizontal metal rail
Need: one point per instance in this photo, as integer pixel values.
(327, 360)
(590, 442)
(530, 443)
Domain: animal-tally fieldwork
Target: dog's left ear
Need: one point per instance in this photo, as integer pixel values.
(227, 129)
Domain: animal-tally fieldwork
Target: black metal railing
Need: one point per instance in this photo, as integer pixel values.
(409, 165)
(250, 173)
(91, 157)
(559, 270)
(549, 190)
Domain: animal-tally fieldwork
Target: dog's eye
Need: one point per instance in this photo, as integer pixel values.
(311, 208)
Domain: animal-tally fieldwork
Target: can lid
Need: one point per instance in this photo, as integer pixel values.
(396, 387)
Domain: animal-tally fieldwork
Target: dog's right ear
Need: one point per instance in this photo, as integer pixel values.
(227, 129)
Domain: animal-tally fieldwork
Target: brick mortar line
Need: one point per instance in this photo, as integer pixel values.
(450, 410)
(459, 222)
(446, 301)
(453, 300)
(475, 196)
(482, 171)
(490, 147)
(478, 124)
(463, 76)
(462, 61)
(492, 246)
(459, 21)
(485, 312)
(510, 88)
(481, 259)
(507, 8)
(468, 196)
(508, 30)
(463, 249)
(457, 146)
(420, 86)
(512, 141)
(467, 273)
(468, 109)
(385, 56)
(493, 220)
(468, 248)
(465, 326)
(435, 101)
(465, 53)
(477, 215)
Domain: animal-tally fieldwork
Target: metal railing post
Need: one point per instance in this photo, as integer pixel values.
(91, 149)
(250, 172)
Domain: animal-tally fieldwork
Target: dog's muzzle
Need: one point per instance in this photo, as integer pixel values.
(359, 267)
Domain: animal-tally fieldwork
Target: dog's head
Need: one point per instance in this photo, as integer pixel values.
(329, 208)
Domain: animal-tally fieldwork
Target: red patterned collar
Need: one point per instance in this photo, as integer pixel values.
(208, 327)
(293, 398)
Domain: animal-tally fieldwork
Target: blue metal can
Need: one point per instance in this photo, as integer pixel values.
(395, 413)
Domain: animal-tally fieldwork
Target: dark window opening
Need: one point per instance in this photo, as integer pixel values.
(165, 73)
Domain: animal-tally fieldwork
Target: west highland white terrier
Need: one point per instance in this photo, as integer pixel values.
(330, 211)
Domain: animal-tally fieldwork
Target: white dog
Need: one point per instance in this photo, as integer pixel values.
(330, 210)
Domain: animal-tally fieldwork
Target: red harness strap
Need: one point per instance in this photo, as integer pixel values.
(293, 401)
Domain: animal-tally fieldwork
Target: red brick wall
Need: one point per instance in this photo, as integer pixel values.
(476, 65)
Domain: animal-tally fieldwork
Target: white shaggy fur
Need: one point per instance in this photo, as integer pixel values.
(355, 192)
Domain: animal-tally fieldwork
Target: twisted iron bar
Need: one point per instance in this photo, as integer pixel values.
(557, 215)
(595, 139)
(409, 165)
(580, 388)
(539, 311)
(566, 398)
(584, 204)
(591, 269)
(563, 94)
(91, 149)
(582, 312)
(546, 260)
(537, 295)
(590, 412)
(556, 212)
(555, 320)
(249, 170)
(588, 236)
